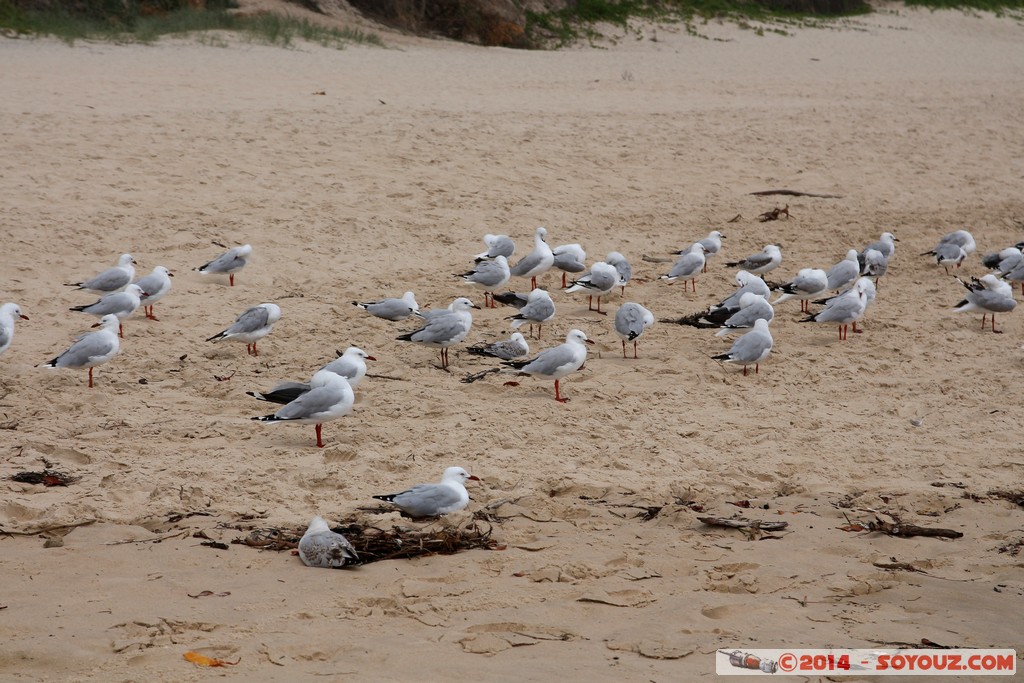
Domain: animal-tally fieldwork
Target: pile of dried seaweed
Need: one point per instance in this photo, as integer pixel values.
(47, 477)
(374, 544)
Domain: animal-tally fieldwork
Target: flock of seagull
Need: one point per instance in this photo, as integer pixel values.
(845, 290)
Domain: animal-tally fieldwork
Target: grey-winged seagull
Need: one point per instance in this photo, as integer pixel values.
(91, 349)
(557, 362)
(321, 547)
(432, 500)
(330, 397)
(250, 326)
(228, 263)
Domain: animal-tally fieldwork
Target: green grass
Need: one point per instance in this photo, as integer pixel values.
(558, 29)
(128, 27)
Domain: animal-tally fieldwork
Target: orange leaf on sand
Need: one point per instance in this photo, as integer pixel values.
(203, 660)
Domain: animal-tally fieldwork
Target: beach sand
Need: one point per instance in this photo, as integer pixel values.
(386, 182)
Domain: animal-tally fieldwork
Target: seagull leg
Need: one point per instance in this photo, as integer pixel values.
(744, 370)
(231, 279)
(855, 327)
(590, 302)
(705, 268)
(563, 279)
(558, 397)
(994, 325)
(984, 317)
(634, 349)
(120, 329)
(533, 283)
(90, 378)
(693, 284)
(623, 348)
(319, 436)
(757, 368)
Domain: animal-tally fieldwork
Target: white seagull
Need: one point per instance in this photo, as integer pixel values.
(600, 281)
(351, 365)
(630, 322)
(91, 349)
(330, 397)
(569, 258)
(712, 245)
(111, 279)
(691, 262)
(228, 263)
(751, 348)
(489, 275)
(321, 547)
(538, 309)
(557, 362)
(250, 326)
(808, 283)
(506, 349)
(444, 328)
(9, 312)
(538, 261)
(432, 500)
(121, 304)
(391, 309)
(622, 266)
(766, 260)
(844, 309)
(154, 287)
(988, 295)
(497, 245)
(844, 272)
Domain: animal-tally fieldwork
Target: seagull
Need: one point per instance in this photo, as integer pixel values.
(252, 325)
(228, 263)
(947, 254)
(1014, 272)
(351, 365)
(752, 347)
(445, 328)
(622, 266)
(537, 261)
(961, 238)
(748, 282)
(321, 547)
(154, 287)
(712, 245)
(91, 349)
(539, 309)
(557, 362)
(688, 265)
(600, 281)
(330, 397)
(808, 283)
(497, 245)
(110, 280)
(843, 309)
(989, 295)
(391, 309)
(1004, 260)
(768, 259)
(844, 272)
(569, 258)
(507, 349)
(9, 312)
(753, 307)
(630, 322)
(120, 304)
(886, 247)
(433, 500)
(489, 274)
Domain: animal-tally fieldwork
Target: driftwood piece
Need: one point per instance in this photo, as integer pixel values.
(655, 259)
(468, 379)
(774, 214)
(743, 523)
(900, 530)
(796, 193)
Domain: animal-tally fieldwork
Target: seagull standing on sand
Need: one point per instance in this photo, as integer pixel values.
(497, 245)
(630, 322)
(538, 261)
(843, 309)
(766, 260)
(154, 287)
(489, 275)
(228, 263)
(557, 362)
(622, 267)
(808, 283)
(507, 349)
(252, 325)
(391, 309)
(444, 328)
(120, 304)
(753, 307)
(988, 295)
(691, 262)
(752, 347)
(351, 365)
(539, 309)
(952, 249)
(111, 279)
(321, 547)
(9, 312)
(600, 281)
(91, 349)
(433, 500)
(330, 397)
(712, 245)
(569, 258)
(844, 272)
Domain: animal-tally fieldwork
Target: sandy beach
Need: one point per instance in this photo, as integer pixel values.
(386, 182)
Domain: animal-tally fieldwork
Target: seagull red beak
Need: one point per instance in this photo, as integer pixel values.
(370, 358)
(473, 477)
(589, 341)
(23, 317)
(170, 274)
